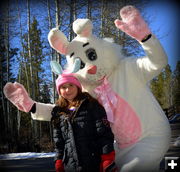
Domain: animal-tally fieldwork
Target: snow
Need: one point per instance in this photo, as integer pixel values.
(26, 155)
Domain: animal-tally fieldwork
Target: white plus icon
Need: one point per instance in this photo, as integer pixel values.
(172, 164)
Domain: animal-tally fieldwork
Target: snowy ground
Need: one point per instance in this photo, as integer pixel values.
(26, 155)
(29, 155)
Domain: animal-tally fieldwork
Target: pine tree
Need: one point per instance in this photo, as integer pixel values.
(35, 63)
(8, 128)
(176, 87)
(162, 88)
(167, 87)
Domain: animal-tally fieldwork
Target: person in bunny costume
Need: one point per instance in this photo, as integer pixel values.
(141, 129)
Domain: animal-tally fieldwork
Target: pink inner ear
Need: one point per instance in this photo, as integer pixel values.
(86, 32)
(59, 46)
(63, 49)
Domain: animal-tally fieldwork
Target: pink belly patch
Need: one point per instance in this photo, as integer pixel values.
(126, 126)
(125, 123)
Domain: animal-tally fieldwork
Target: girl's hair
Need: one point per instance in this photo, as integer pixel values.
(63, 103)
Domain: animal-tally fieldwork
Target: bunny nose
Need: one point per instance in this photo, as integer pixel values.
(92, 69)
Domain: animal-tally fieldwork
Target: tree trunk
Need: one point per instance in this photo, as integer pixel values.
(33, 122)
(22, 61)
(52, 52)
(22, 64)
(57, 2)
(52, 74)
(89, 6)
(72, 18)
(29, 51)
(103, 6)
(9, 120)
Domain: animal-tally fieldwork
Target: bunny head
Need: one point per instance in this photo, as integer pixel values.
(92, 59)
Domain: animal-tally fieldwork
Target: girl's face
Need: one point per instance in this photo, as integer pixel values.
(68, 91)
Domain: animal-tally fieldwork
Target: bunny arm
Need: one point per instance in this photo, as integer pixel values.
(43, 112)
(149, 66)
(154, 61)
(17, 94)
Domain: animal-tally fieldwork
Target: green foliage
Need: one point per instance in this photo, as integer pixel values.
(45, 94)
(7, 117)
(33, 60)
(165, 87)
(176, 88)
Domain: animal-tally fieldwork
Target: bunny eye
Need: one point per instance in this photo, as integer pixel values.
(91, 54)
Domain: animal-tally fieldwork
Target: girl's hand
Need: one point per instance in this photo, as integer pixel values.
(59, 166)
(107, 162)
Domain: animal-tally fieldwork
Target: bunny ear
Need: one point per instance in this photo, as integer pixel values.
(56, 68)
(83, 27)
(58, 41)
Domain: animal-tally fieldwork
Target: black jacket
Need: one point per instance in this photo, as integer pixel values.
(82, 137)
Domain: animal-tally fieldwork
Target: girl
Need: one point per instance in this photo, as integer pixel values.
(82, 135)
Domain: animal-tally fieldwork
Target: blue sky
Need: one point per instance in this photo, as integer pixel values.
(164, 16)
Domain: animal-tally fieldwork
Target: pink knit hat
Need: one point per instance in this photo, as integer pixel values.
(67, 78)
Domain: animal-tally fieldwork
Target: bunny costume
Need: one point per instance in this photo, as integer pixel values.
(121, 84)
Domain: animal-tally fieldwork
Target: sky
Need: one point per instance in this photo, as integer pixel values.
(165, 24)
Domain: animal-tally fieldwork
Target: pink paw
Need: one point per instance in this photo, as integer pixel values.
(132, 23)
